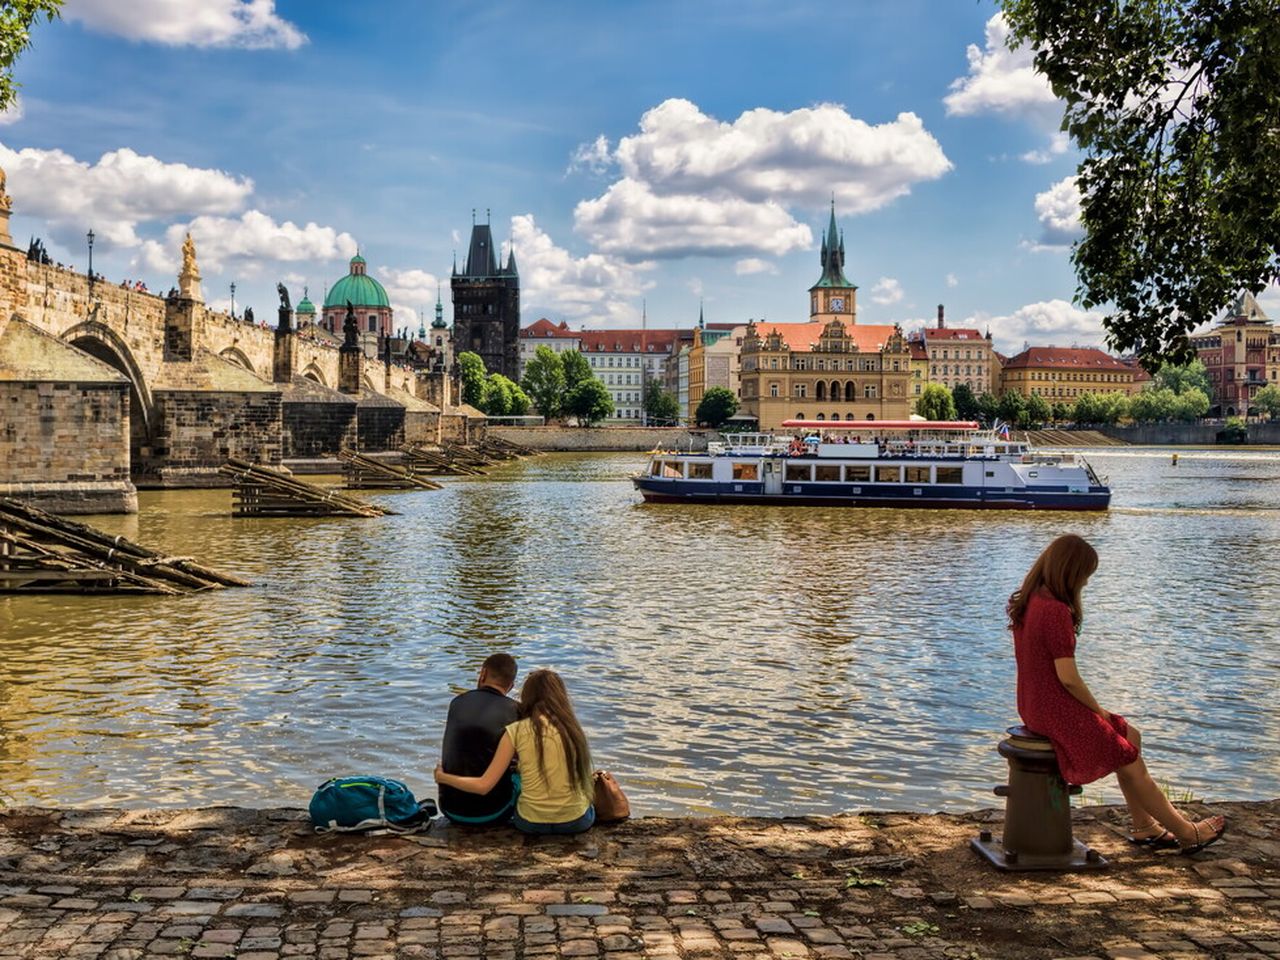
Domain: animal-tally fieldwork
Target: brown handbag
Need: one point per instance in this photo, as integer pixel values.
(610, 802)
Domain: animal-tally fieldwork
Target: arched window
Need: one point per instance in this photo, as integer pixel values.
(850, 390)
(835, 389)
(820, 416)
(800, 416)
(820, 391)
(835, 416)
(850, 416)
(871, 416)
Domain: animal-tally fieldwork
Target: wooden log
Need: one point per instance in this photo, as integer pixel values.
(367, 472)
(441, 463)
(270, 492)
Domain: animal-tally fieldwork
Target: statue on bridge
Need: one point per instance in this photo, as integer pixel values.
(248, 315)
(284, 296)
(189, 278)
(350, 332)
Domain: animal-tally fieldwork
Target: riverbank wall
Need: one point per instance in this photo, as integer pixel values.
(1189, 434)
(261, 885)
(605, 439)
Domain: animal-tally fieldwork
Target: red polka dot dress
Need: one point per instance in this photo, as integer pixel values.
(1088, 746)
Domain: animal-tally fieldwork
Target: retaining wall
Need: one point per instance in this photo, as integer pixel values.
(619, 439)
(1188, 434)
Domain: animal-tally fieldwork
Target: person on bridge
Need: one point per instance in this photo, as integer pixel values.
(552, 759)
(476, 724)
(1045, 615)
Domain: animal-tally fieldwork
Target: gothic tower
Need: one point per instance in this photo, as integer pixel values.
(486, 305)
(833, 297)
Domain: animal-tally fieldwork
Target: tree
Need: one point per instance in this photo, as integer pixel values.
(503, 397)
(1087, 409)
(717, 405)
(1191, 404)
(16, 19)
(1179, 377)
(988, 407)
(661, 406)
(1267, 400)
(1038, 411)
(1012, 408)
(1153, 405)
(589, 401)
(1112, 406)
(966, 403)
(544, 382)
(1175, 105)
(936, 403)
(471, 369)
(576, 369)
(1060, 412)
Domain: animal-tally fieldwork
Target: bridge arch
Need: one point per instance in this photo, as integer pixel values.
(314, 373)
(101, 342)
(237, 356)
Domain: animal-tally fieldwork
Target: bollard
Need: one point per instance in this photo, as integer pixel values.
(1037, 812)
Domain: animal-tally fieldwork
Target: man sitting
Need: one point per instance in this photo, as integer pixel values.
(477, 721)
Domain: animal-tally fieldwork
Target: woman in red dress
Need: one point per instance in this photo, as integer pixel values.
(1045, 615)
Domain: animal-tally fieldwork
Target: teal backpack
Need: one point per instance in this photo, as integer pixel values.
(353, 804)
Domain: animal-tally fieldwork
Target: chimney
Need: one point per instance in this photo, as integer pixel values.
(941, 321)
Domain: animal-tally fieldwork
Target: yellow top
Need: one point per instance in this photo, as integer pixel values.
(550, 797)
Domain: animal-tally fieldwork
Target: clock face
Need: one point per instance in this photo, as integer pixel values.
(837, 303)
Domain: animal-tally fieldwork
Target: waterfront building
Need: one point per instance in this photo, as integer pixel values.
(623, 360)
(830, 368)
(714, 356)
(543, 333)
(1061, 374)
(367, 297)
(486, 305)
(919, 370)
(1241, 356)
(958, 355)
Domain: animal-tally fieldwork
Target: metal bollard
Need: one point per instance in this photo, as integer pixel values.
(1037, 812)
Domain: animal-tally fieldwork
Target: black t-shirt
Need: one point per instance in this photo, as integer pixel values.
(477, 720)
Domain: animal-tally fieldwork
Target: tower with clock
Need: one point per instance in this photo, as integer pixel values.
(833, 297)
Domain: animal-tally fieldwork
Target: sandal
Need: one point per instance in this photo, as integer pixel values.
(1201, 844)
(1161, 841)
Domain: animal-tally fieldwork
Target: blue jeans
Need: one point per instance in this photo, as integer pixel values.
(581, 825)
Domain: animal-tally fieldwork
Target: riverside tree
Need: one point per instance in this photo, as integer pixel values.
(661, 406)
(472, 372)
(1012, 408)
(1176, 105)
(589, 401)
(1267, 400)
(576, 369)
(717, 405)
(936, 403)
(1038, 411)
(16, 20)
(544, 382)
(1179, 377)
(503, 397)
(966, 403)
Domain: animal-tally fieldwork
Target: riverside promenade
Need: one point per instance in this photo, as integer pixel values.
(260, 885)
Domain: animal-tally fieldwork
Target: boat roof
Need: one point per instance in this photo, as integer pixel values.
(881, 425)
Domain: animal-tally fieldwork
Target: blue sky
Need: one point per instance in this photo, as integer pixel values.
(656, 153)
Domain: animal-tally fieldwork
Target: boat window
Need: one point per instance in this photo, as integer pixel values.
(917, 474)
(671, 469)
(951, 475)
(827, 473)
(797, 471)
(746, 471)
(888, 474)
(699, 471)
(857, 474)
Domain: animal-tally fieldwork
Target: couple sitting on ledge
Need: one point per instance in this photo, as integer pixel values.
(526, 763)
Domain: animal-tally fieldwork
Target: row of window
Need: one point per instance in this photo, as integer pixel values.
(968, 355)
(816, 473)
(969, 370)
(1059, 375)
(801, 390)
(802, 363)
(608, 361)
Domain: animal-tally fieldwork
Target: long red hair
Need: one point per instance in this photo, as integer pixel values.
(1062, 569)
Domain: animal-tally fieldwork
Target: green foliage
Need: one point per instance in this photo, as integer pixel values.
(966, 403)
(1038, 411)
(1174, 105)
(503, 397)
(1179, 377)
(1191, 404)
(1104, 408)
(1235, 430)
(576, 369)
(661, 406)
(936, 403)
(1012, 408)
(1060, 412)
(471, 369)
(589, 401)
(544, 382)
(1267, 400)
(718, 405)
(1152, 405)
(16, 19)
(988, 407)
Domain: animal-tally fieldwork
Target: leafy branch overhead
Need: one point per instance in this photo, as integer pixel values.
(16, 19)
(1176, 104)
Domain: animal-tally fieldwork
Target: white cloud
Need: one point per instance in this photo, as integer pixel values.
(250, 242)
(12, 113)
(599, 287)
(1001, 80)
(113, 196)
(1047, 323)
(694, 185)
(952, 280)
(410, 291)
(252, 24)
(886, 291)
(1057, 147)
(1058, 210)
(750, 265)
(594, 157)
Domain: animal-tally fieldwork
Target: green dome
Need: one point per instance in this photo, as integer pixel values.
(438, 323)
(358, 287)
(306, 306)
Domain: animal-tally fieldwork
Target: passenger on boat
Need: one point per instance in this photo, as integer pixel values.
(1045, 614)
(552, 760)
(796, 448)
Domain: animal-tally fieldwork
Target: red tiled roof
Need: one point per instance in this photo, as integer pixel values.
(870, 338)
(952, 333)
(918, 351)
(1065, 357)
(629, 341)
(545, 329)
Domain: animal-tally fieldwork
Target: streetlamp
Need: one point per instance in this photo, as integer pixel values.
(233, 300)
(90, 236)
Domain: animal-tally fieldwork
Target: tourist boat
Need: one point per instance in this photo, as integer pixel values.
(877, 463)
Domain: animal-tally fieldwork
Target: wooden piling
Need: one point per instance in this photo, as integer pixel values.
(366, 473)
(266, 492)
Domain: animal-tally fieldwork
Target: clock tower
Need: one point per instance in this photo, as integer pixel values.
(833, 297)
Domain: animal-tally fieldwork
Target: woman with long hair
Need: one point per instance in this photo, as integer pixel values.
(552, 759)
(1045, 614)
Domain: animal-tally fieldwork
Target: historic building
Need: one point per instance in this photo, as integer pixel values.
(714, 357)
(556, 337)
(366, 295)
(831, 368)
(958, 355)
(1241, 355)
(486, 305)
(1061, 374)
(624, 360)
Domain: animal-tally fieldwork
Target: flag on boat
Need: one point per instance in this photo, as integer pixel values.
(1003, 431)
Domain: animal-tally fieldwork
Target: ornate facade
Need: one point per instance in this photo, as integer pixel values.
(1241, 356)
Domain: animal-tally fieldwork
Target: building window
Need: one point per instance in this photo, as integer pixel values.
(773, 389)
(801, 391)
(869, 391)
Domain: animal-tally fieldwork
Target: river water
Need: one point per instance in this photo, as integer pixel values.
(722, 659)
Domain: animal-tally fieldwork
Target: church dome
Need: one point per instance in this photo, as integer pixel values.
(305, 306)
(358, 287)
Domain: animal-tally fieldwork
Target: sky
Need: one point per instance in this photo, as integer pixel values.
(643, 157)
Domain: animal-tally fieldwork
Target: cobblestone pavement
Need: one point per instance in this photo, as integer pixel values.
(259, 885)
